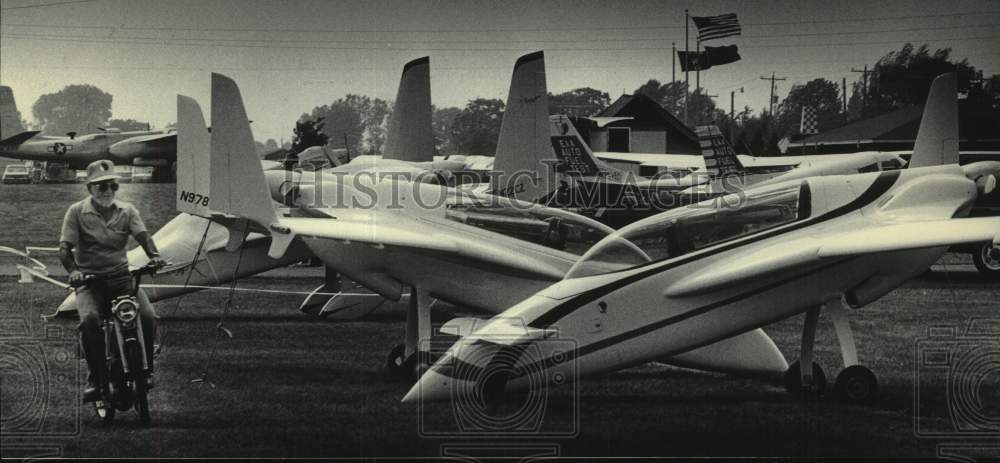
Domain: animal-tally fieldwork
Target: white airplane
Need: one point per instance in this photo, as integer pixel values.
(702, 273)
(438, 241)
(201, 252)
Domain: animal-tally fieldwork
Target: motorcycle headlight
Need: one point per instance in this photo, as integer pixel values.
(125, 310)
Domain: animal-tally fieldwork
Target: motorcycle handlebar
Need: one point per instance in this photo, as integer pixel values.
(148, 269)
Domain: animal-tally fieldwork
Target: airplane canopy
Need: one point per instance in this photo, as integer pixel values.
(681, 231)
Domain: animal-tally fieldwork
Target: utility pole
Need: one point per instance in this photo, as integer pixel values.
(843, 95)
(772, 79)
(732, 115)
(864, 87)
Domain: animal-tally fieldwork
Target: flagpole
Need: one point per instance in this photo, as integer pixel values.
(687, 56)
(697, 70)
(673, 74)
(673, 62)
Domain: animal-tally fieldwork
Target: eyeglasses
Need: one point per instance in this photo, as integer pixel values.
(102, 187)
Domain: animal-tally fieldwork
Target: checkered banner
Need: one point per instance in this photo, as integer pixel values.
(809, 126)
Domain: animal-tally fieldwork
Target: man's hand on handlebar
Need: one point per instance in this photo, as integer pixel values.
(76, 277)
(157, 262)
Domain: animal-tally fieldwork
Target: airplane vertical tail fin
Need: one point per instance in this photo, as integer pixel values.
(193, 150)
(519, 170)
(237, 183)
(937, 139)
(411, 135)
(720, 158)
(10, 117)
(16, 140)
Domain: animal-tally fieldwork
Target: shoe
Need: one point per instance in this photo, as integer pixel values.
(92, 393)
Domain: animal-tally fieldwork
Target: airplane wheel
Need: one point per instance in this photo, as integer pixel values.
(793, 381)
(396, 361)
(856, 384)
(987, 260)
(105, 411)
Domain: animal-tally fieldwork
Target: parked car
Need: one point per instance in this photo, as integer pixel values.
(16, 173)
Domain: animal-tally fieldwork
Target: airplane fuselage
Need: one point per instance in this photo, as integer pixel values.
(77, 152)
(616, 319)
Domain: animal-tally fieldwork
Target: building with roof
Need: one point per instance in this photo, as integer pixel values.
(897, 131)
(637, 124)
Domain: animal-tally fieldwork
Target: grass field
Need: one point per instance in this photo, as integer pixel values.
(289, 385)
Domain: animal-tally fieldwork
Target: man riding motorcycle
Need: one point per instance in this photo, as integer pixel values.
(95, 232)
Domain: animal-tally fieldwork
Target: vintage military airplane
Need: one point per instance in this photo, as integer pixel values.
(157, 149)
(702, 273)
(387, 233)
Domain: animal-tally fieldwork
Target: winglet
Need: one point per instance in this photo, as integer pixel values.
(193, 151)
(411, 135)
(937, 139)
(19, 138)
(524, 142)
(237, 183)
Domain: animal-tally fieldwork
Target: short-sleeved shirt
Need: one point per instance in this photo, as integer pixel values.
(99, 245)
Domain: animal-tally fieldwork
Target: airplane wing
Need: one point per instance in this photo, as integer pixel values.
(498, 330)
(882, 238)
(370, 231)
(378, 228)
(913, 236)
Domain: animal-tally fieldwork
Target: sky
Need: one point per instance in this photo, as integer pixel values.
(289, 56)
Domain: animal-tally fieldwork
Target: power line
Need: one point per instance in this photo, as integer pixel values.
(265, 44)
(576, 28)
(42, 5)
(600, 40)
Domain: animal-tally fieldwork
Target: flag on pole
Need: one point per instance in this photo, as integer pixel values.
(693, 60)
(809, 125)
(722, 55)
(712, 56)
(716, 27)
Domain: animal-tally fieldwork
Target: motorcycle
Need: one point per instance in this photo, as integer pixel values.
(124, 386)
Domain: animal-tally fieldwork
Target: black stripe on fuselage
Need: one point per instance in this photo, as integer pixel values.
(883, 183)
(448, 368)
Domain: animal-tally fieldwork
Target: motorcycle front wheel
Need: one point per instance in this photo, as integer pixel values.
(134, 353)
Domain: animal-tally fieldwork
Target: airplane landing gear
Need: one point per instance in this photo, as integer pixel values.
(407, 366)
(795, 385)
(412, 359)
(800, 382)
(987, 260)
(856, 384)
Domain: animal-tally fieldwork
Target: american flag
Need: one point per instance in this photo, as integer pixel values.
(716, 27)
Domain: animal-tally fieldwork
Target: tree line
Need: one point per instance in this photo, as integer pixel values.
(360, 123)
